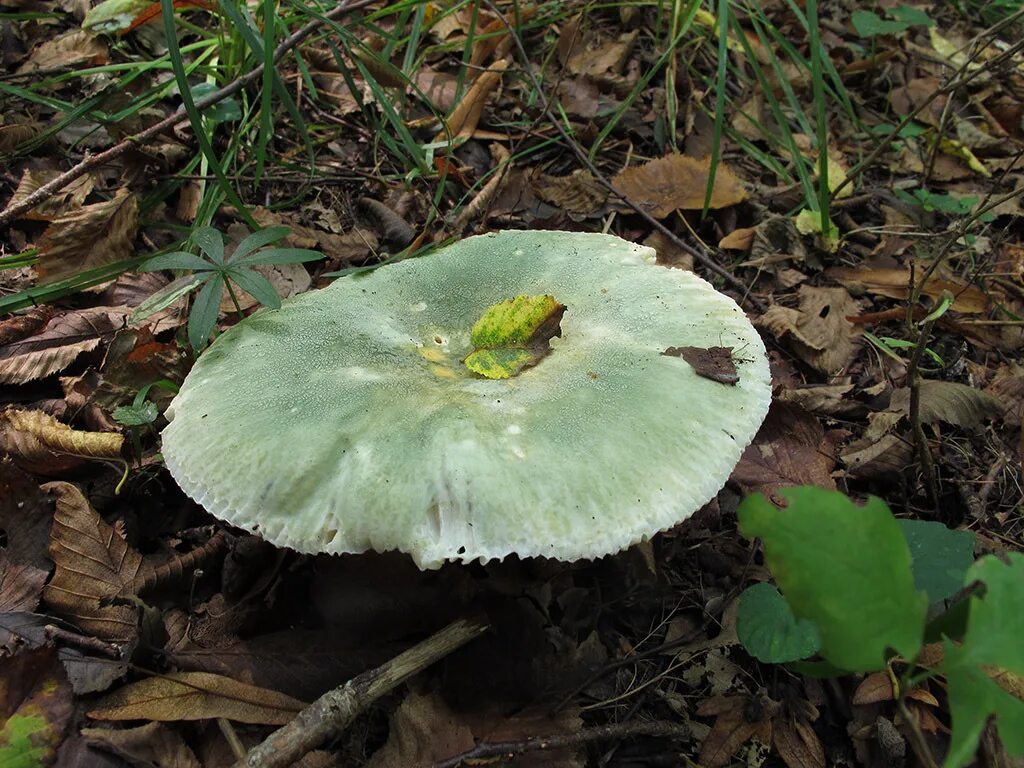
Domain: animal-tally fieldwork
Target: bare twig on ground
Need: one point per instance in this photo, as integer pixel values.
(699, 254)
(82, 642)
(332, 712)
(94, 161)
(509, 749)
(924, 455)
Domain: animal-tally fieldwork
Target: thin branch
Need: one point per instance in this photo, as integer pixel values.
(90, 162)
(485, 751)
(336, 709)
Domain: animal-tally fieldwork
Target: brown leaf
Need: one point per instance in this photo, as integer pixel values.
(588, 52)
(73, 49)
(740, 239)
(58, 344)
(789, 449)
(713, 363)
(1008, 387)
(731, 730)
(35, 707)
(463, 119)
(951, 402)
(21, 588)
(25, 514)
(874, 688)
(907, 98)
(89, 237)
(895, 284)
(677, 182)
(196, 696)
(818, 330)
(72, 196)
(33, 435)
(884, 458)
(578, 194)
(151, 744)
(94, 562)
(17, 133)
(18, 327)
(797, 743)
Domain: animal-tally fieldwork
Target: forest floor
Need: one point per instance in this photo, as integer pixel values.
(865, 212)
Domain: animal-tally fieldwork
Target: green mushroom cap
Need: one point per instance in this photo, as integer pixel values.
(349, 419)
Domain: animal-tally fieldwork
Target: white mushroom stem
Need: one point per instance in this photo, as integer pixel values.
(335, 710)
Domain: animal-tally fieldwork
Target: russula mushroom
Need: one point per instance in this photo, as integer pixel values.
(358, 417)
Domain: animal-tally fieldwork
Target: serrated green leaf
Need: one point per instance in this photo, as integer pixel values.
(844, 567)
(136, 415)
(768, 629)
(258, 239)
(992, 648)
(257, 286)
(205, 310)
(939, 557)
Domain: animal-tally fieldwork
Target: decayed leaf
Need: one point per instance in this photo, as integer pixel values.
(789, 449)
(72, 49)
(25, 514)
(35, 708)
(89, 237)
(578, 194)
(585, 51)
(33, 435)
(677, 182)
(21, 587)
(196, 696)
(951, 402)
(795, 740)
(71, 196)
(1008, 387)
(17, 133)
(464, 118)
(894, 284)
(150, 744)
(58, 343)
(818, 330)
(94, 563)
(424, 731)
(736, 722)
(714, 363)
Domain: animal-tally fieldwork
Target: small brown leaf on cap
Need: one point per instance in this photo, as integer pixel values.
(713, 363)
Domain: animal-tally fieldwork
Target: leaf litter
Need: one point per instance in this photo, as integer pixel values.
(594, 656)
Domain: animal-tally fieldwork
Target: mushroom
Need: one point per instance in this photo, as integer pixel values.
(356, 417)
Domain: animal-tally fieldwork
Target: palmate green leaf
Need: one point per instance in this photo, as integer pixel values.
(844, 567)
(176, 260)
(210, 242)
(205, 310)
(256, 285)
(768, 629)
(169, 294)
(136, 415)
(991, 648)
(278, 256)
(939, 557)
(256, 240)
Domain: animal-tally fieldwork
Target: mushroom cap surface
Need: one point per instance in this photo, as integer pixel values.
(345, 421)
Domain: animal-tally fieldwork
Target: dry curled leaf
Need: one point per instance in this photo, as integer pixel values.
(54, 345)
(463, 120)
(196, 696)
(73, 49)
(895, 284)
(737, 721)
(151, 744)
(818, 330)
(94, 563)
(89, 237)
(677, 182)
(951, 402)
(70, 197)
(578, 194)
(714, 363)
(33, 434)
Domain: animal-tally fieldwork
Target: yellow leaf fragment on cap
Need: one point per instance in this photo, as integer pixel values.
(513, 335)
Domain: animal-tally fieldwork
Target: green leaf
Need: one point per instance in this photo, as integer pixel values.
(112, 16)
(768, 629)
(279, 256)
(136, 415)
(992, 650)
(499, 363)
(205, 310)
(870, 24)
(35, 708)
(224, 111)
(844, 567)
(258, 239)
(513, 335)
(176, 260)
(939, 557)
(257, 286)
(912, 16)
(210, 242)
(169, 294)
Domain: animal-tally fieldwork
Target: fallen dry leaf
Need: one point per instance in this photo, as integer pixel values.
(94, 563)
(736, 723)
(89, 237)
(21, 588)
(817, 330)
(790, 448)
(57, 343)
(463, 119)
(740, 239)
(151, 744)
(25, 514)
(578, 194)
(796, 742)
(73, 49)
(951, 402)
(34, 435)
(196, 696)
(895, 284)
(713, 363)
(71, 196)
(35, 708)
(1008, 387)
(677, 182)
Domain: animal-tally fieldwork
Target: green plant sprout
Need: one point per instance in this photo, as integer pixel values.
(861, 590)
(212, 273)
(141, 412)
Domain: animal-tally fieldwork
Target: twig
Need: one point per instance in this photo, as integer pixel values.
(336, 709)
(920, 440)
(509, 749)
(917, 740)
(697, 253)
(93, 161)
(82, 642)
